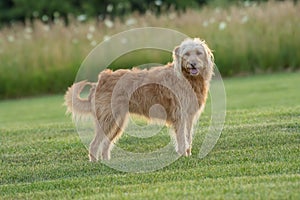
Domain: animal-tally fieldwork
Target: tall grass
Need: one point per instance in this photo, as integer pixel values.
(43, 58)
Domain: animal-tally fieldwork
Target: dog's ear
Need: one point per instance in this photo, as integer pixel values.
(177, 61)
(209, 56)
(210, 61)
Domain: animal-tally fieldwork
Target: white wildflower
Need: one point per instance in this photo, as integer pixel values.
(93, 43)
(45, 18)
(81, 18)
(56, 14)
(46, 28)
(10, 38)
(89, 36)
(92, 29)
(247, 3)
(158, 2)
(109, 8)
(130, 22)
(108, 23)
(205, 23)
(106, 38)
(222, 25)
(35, 13)
(244, 19)
(28, 30)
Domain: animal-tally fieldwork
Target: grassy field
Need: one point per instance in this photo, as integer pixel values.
(256, 157)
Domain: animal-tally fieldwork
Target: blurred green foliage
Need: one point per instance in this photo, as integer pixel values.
(22, 10)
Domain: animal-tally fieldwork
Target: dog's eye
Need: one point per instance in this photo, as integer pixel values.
(199, 53)
(187, 53)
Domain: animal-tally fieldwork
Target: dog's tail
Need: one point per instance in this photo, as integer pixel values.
(77, 105)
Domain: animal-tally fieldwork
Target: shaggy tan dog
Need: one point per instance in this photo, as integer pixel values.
(175, 93)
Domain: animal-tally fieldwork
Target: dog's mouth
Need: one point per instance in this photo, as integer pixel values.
(193, 68)
(194, 71)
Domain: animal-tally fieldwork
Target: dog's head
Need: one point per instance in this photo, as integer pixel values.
(194, 58)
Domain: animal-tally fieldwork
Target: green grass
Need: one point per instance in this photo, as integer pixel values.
(256, 157)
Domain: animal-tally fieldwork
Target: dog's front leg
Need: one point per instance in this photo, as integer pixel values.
(180, 132)
(189, 137)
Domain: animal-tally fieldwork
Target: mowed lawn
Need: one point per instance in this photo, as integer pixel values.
(256, 157)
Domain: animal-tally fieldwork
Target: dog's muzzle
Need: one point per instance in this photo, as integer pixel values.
(194, 68)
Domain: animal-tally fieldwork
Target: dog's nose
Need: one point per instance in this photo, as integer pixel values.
(193, 64)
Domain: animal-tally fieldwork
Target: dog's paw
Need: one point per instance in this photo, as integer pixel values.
(92, 158)
(189, 152)
(181, 152)
(105, 156)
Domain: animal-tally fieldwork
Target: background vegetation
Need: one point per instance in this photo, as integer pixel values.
(12, 11)
(38, 58)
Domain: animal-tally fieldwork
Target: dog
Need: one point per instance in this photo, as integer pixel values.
(175, 93)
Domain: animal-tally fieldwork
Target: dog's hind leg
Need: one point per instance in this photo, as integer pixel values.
(107, 145)
(113, 135)
(104, 127)
(94, 145)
